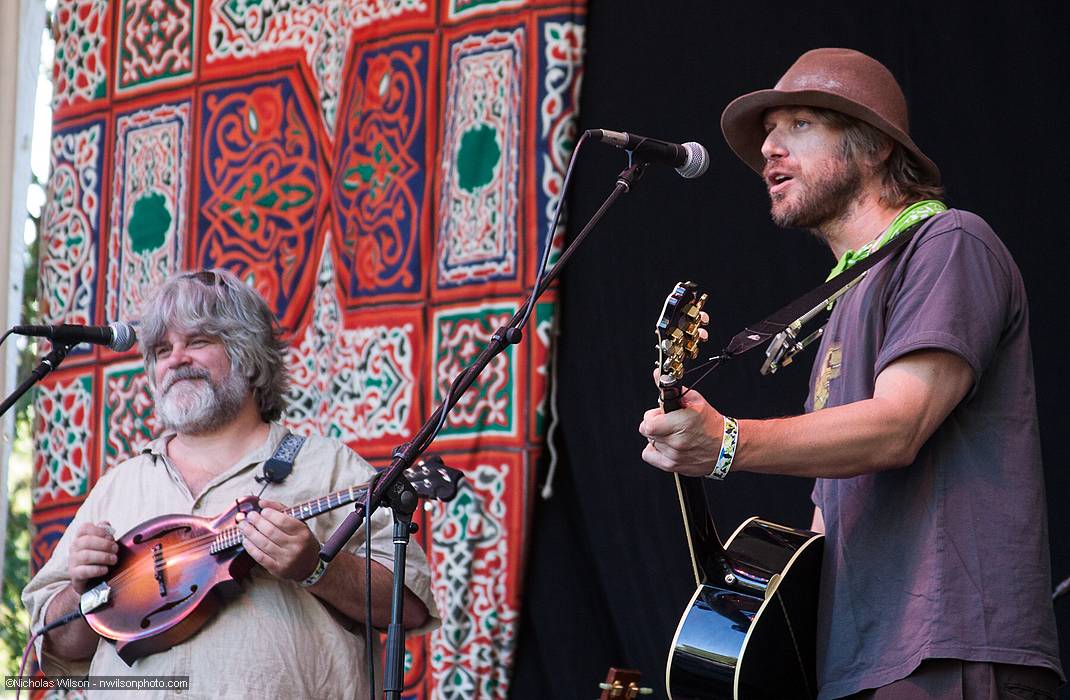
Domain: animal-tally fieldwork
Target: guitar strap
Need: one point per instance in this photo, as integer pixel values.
(280, 464)
(757, 333)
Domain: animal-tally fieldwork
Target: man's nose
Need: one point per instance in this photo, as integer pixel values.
(773, 147)
(179, 356)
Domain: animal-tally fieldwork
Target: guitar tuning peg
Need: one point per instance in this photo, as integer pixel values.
(619, 690)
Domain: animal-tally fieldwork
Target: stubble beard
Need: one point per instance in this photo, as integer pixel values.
(826, 198)
(198, 407)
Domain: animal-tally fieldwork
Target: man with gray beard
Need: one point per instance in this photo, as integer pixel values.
(215, 364)
(921, 424)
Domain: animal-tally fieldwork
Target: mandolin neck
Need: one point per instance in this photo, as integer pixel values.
(231, 537)
(318, 506)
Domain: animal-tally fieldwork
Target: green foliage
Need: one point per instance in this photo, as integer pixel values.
(27, 356)
(14, 622)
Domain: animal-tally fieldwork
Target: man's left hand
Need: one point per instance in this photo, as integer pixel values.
(283, 545)
(686, 441)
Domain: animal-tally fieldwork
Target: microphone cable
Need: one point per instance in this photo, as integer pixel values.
(68, 618)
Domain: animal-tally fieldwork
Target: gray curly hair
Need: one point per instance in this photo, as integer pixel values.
(217, 303)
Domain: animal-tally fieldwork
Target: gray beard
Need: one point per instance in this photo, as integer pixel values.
(201, 407)
(829, 198)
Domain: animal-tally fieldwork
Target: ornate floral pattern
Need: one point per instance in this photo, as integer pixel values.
(475, 557)
(48, 526)
(380, 178)
(156, 44)
(80, 69)
(62, 452)
(148, 213)
(262, 177)
(71, 232)
(245, 29)
(463, 8)
(561, 67)
(489, 405)
(355, 381)
(369, 12)
(383, 172)
(127, 420)
(480, 170)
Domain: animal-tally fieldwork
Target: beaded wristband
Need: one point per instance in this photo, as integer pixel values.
(316, 575)
(728, 449)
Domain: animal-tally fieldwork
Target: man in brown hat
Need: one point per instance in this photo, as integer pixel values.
(921, 424)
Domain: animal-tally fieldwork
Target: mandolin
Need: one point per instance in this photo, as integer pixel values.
(173, 570)
(748, 632)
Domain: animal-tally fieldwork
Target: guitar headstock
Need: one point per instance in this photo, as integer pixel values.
(431, 478)
(622, 684)
(680, 329)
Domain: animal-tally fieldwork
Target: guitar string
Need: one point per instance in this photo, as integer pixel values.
(710, 365)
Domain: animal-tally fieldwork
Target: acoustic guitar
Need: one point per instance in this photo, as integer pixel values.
(622, 684)
(748, 632)
(173, 569)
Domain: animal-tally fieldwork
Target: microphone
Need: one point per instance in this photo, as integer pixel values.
(690, 159)
(118, 336)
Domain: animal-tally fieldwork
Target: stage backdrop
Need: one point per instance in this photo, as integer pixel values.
(382, 171)
(986, 89)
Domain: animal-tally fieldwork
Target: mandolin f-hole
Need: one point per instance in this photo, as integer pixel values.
(146, 621)
(139, 538)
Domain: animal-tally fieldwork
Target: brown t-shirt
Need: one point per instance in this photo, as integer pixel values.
(947, 557)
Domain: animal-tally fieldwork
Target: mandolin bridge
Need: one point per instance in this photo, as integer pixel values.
(158, 566)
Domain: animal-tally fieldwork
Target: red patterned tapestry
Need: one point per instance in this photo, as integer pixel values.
(384, 172)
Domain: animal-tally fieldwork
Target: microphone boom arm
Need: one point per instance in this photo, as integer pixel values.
(50, 362)
(387, 484)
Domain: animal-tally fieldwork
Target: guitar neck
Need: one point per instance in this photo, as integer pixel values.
(708, 556)
(671, 397)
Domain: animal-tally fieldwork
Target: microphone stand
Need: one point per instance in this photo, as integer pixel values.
(392, 487)
(50, 362)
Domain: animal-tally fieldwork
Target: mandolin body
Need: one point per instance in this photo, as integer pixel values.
(174, 570)
(166, 583)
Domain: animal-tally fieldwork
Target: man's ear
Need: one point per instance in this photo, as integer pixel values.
(878, 160)
(885, 152)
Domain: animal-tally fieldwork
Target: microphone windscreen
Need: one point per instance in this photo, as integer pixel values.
(698, 159)
(123, 336)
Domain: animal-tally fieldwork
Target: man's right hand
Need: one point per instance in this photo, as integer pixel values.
(94, 550)
(686, 441)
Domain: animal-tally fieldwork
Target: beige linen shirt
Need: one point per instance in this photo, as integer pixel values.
(275, 639)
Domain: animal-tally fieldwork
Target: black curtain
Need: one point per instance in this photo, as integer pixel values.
(608, 573)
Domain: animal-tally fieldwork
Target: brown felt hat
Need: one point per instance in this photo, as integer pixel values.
(843, 80)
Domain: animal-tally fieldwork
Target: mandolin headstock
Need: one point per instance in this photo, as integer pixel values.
(431, 478)
(680, 330)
